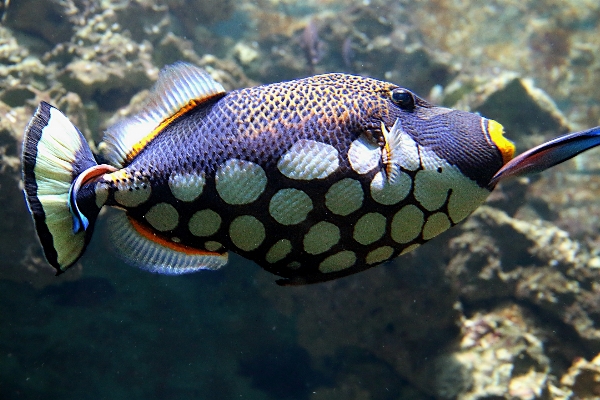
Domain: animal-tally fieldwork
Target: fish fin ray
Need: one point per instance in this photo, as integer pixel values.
(180, 87)
(142, 247)
(392, 153)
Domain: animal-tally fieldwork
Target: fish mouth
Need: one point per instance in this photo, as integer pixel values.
(495, 133)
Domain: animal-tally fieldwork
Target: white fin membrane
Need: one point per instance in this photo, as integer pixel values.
(158, 255)
(392, 154)
(179, 86)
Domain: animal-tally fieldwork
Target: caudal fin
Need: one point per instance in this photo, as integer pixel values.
(56, 159)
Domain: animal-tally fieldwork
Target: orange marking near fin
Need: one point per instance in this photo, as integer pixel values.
(386, 153)
(181, 248)
(148, 138)
(95, 172)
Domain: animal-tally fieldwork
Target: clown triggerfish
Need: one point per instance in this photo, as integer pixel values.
(312, 179)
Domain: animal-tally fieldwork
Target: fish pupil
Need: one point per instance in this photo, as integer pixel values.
(403, 98)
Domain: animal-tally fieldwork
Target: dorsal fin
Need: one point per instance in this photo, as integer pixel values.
(180, 88)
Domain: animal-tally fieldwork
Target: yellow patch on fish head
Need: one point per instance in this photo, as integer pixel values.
(496, 133)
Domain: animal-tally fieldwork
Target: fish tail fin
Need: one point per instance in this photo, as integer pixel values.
(57, 162)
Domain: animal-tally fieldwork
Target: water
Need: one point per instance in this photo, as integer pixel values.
(504, 305)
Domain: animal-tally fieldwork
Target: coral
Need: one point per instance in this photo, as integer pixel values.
(105, 64)
(532, 261)
(500, 354)
(582, 380)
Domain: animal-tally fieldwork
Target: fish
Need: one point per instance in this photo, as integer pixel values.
(312, 179)
(312, 45)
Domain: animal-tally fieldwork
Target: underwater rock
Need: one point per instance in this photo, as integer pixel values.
(364, 39)
(103, 63)
(22, 76)
(500, 355)
(10, 51)
(491, 258)
(550, 41)
(172, 48)
(582, 381)
(525, 111)
(47, 23)
(497, 256)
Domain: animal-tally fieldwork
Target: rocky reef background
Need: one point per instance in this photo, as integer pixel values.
(506, 305)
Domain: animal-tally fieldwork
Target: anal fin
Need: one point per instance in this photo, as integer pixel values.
(141, 247)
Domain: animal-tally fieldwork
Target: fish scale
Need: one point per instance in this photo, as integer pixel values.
(313, 179)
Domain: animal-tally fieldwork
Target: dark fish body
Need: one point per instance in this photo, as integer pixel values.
(312, 179)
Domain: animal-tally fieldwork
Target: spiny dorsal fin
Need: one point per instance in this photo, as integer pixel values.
(180, 87)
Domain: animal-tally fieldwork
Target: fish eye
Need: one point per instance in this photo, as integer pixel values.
(403, 98)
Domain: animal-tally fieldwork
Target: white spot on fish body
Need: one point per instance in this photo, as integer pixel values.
(436, 224)
(309, 159)
(239, 181)
(369, 228)
(364, 155)
(290, 206)
(344, 197)
(410, 248)
(338, 261)
(407, 224)
(321, 237)
(294, 265)
(163, 217)
(438, 179)
(409, 153)
(247, 232)
(465, 198)
(433, 183)
(101, 191)
(380, 254)
(278, 251)
(211, 245)
(204, 223)
(388, 193)
(129, 193)
(186, 186)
